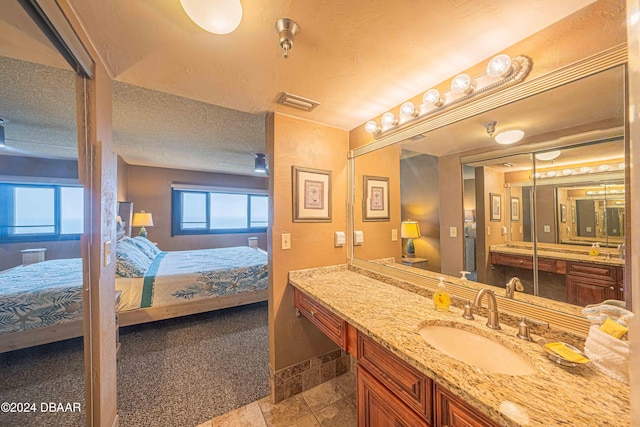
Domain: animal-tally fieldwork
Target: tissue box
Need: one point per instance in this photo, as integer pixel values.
(608, 355)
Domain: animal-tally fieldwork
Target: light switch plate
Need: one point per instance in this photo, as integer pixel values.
(339, 239)
(547, 229)
(286, 241)
(107, 252)
(394, 234)
(488, 230)
(453, 231)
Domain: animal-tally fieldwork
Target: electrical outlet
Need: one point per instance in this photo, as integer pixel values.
(394, 234)
(286, 241)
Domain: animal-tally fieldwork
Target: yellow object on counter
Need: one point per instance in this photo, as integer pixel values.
(566, 353)
(594, 250)
(441, 298)
(613, 328)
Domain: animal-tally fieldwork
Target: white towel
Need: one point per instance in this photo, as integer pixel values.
(609, 355)
(598, 313)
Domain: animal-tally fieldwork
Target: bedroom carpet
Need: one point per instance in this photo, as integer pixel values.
(177, 372)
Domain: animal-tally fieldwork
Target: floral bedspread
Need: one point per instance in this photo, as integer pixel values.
(40, 294)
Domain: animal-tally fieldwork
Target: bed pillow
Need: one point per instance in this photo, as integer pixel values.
(130, 260)
(146, 246)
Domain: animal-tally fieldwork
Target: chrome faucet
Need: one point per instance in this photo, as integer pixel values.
(493, 320)
(513, 285)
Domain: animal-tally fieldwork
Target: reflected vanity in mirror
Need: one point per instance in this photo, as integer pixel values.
(532, 210)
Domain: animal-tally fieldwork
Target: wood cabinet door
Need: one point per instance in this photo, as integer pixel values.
(585, 290)
(378, 407)
(452, 412)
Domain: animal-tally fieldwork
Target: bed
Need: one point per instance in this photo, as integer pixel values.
(42, 302)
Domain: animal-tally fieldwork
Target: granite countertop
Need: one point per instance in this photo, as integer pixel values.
(553, 395)
(560, 252)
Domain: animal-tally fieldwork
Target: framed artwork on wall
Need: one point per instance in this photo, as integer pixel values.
(496, 207)
(376, 199)
(311, 195)
(515, 209)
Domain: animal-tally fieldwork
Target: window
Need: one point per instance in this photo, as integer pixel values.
(220, 211)
(30, 212)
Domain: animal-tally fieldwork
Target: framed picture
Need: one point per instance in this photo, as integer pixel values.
(311, 195)
(515, 209)
(563, 213)
(496, 207)
(376, 199)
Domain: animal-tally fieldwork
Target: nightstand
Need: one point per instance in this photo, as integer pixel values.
(422, 263)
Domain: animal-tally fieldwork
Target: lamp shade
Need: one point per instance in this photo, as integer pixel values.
(142, 219)
(410, 230)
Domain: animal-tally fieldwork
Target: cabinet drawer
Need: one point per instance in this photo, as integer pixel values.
(453, 412)
(412, 387)
(593, 270)
(377, 406)
(330, 324)
(520, 261)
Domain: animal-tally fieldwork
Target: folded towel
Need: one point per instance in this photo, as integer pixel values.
(609, 355)
(597, 314)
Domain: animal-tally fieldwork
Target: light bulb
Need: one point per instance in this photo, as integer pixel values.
(499, 66)
(371, 127)
(214, 16)
(567, 172)
(432, 96)
(621, 165)
(537, 175)
(585, 169)
(551, 174)
(388, 119)
(461, 84)
(590, 193)
(408, 109)
(509, 137)
(603, 168)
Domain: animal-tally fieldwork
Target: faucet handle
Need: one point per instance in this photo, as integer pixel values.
(468, 308)
(524, 330)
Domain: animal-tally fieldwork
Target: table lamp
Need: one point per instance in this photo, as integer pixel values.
(410, 230)
(142, 219)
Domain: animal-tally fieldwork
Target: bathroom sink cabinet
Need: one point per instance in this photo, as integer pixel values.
(390, 392)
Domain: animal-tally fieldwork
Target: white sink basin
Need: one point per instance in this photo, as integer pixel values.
(476, 350)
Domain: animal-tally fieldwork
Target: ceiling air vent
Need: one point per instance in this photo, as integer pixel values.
(298, 102)
(505, 165)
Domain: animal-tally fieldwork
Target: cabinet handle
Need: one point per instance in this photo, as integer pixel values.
(414, 388)
(313, 313)
(612, 288)
(521, 262)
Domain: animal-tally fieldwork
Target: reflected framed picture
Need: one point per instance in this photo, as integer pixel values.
(515, 209)
(496, 207)
(563, 213)
(311, 195)
(376, 199)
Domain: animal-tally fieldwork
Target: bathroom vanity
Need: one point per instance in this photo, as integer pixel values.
(403, 380)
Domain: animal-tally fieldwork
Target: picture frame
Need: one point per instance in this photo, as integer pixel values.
(496, 207)
(311, 194)
(563, 213)
(375, 200)
(515, 209)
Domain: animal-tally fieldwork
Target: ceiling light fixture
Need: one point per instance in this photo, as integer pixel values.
(548, 155)
(214, 16)
(502, 71)
(490, 127)
(408, 109)
(509, 137)
(286, 29)
(388, 119)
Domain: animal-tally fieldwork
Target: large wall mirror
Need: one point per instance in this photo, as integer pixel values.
(531, 211)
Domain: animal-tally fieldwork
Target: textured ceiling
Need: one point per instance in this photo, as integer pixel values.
(205, 95)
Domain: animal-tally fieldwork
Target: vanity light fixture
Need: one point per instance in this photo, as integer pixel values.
(502, 71)
(388, 119)
(432, 96)
(214, 16)
(567, 172)
(604, 168)
(408, 109)
(509, 137)
(462, 84)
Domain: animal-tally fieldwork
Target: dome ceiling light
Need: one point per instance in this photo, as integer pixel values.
(214, 16)
(509, 137)
(548, 155)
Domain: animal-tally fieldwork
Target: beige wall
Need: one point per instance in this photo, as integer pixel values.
(377, 234)
(292, 141)
(123, 178)
(150, 189)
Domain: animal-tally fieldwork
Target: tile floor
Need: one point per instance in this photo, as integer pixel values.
(330, 404)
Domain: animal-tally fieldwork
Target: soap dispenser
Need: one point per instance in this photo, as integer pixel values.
(441, 297)
(595, 249)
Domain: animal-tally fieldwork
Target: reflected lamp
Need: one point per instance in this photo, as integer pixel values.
(142, 219)
(410, 230)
